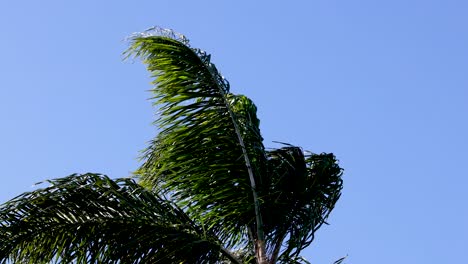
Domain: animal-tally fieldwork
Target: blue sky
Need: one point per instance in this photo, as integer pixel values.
(382, 84)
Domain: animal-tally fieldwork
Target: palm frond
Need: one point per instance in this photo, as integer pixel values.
(208, 155)
(92, 219)
(299, 194)
(208, 191)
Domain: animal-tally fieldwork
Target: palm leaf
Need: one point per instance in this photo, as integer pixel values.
(300, 192)
(208, 155)
(92, 219)
(206, 178)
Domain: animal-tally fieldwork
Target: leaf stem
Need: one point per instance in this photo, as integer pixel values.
(260, 240)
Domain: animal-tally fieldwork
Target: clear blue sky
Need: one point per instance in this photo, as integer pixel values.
(382, 84)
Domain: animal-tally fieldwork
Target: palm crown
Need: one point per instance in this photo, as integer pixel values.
(208, 190)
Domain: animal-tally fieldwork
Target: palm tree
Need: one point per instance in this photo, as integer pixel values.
(208, 190)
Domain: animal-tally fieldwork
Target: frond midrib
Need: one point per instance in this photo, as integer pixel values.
(259, 222)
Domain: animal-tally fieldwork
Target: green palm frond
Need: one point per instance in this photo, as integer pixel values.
(208, 155)
(207, 192)
(92, 219)
(300, 192)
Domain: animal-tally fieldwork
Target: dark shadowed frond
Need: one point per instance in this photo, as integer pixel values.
(299, 193)
(208, 154)
(92, 219)
(341, 260)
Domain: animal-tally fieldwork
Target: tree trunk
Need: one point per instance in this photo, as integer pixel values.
(260, 252)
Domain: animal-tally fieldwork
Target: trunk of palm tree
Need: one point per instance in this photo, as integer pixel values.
(260, 252)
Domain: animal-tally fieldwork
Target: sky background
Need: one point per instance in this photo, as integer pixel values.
(382, 84)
